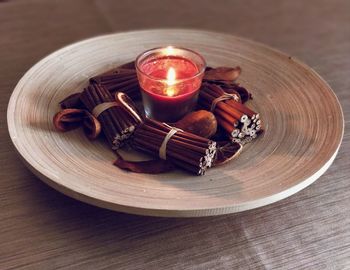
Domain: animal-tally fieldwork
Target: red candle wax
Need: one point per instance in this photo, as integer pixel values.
(170, 86)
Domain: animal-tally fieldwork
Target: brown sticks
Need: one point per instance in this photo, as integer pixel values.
(119, 80)
(185, 150)
(236, 119)
(118, 118)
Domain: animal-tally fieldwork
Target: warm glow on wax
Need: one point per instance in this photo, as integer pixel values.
(170, 80)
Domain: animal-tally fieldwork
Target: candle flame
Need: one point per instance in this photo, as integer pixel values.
(170, 80)
(171, 76)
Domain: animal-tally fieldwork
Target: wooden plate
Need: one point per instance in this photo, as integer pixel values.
(303, 121)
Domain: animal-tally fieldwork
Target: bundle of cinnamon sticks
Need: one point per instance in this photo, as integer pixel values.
(226, 77)
(186, 150)
(241, 123)
(120, 79)
(118, 116)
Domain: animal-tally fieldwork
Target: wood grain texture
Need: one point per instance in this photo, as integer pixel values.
(302, 118)
(42, 229)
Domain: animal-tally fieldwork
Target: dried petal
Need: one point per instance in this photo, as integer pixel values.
(223, 73)
(149, 166)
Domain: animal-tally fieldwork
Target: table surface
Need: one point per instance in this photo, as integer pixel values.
(43, 229)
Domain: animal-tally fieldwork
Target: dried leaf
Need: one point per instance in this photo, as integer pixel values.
(155, 166)
(222, 73)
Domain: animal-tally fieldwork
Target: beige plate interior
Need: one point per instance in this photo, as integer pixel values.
(303, 129)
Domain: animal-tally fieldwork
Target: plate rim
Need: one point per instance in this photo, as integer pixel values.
(195, 212)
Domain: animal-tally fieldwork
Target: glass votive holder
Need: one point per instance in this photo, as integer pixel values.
(170, 79)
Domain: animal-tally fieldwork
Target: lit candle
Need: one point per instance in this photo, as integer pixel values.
(170, 79)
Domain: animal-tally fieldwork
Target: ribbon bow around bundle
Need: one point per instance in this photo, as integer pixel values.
(100, 108)
(150, 166)
(223, 97)
(162, 149)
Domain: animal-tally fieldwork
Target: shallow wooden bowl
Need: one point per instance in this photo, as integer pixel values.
(302, 116)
